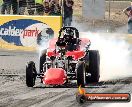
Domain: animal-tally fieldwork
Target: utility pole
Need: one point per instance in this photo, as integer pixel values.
(93, 10)
(109, 10)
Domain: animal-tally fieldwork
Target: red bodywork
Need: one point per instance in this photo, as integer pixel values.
(76, 54)
(57, 76)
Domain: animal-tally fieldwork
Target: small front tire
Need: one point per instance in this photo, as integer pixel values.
(30, 74)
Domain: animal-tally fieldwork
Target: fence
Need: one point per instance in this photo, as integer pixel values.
(115, 20)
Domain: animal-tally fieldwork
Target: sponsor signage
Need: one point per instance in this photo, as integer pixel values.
(28, 31)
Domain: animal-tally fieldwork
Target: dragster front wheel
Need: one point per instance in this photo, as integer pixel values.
(30, 74)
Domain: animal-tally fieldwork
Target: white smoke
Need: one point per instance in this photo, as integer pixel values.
(114, 54)
(43, 46)
(44, 43)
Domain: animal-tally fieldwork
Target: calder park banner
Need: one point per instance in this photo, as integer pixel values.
(27, 32)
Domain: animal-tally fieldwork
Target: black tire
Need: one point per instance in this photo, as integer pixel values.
(80, 98)
(94, 67)
(80, 74)
(30, 74)
(42, 61)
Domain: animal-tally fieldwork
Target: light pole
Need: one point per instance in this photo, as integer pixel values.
(62, 11)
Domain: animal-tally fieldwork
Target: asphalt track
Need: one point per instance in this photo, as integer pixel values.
(14, 92)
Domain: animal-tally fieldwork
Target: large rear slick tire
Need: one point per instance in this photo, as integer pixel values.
(30, 74)
(80, 74)
(42, 61)
(94, 67)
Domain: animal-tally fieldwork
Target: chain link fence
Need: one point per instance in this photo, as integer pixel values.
(114, 21)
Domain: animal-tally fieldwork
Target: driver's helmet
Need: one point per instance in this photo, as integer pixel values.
(68, 34)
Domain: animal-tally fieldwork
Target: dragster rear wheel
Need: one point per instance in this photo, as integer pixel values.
(94, 67)
(30, 74)
(80, 74)
(42, 61)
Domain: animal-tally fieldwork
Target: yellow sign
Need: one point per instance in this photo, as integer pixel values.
(28, 31)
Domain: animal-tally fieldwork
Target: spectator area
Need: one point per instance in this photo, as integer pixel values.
(31, 7)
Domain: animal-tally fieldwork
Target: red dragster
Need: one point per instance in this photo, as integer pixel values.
(67, 58)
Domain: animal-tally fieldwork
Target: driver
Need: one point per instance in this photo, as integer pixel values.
(69, 39)
(68, 36)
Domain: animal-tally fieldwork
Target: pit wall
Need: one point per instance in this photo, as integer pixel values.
(27, 32)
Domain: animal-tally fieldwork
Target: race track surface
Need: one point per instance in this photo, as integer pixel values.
(14, 92)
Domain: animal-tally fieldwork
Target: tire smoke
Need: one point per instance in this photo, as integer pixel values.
(115, 55)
